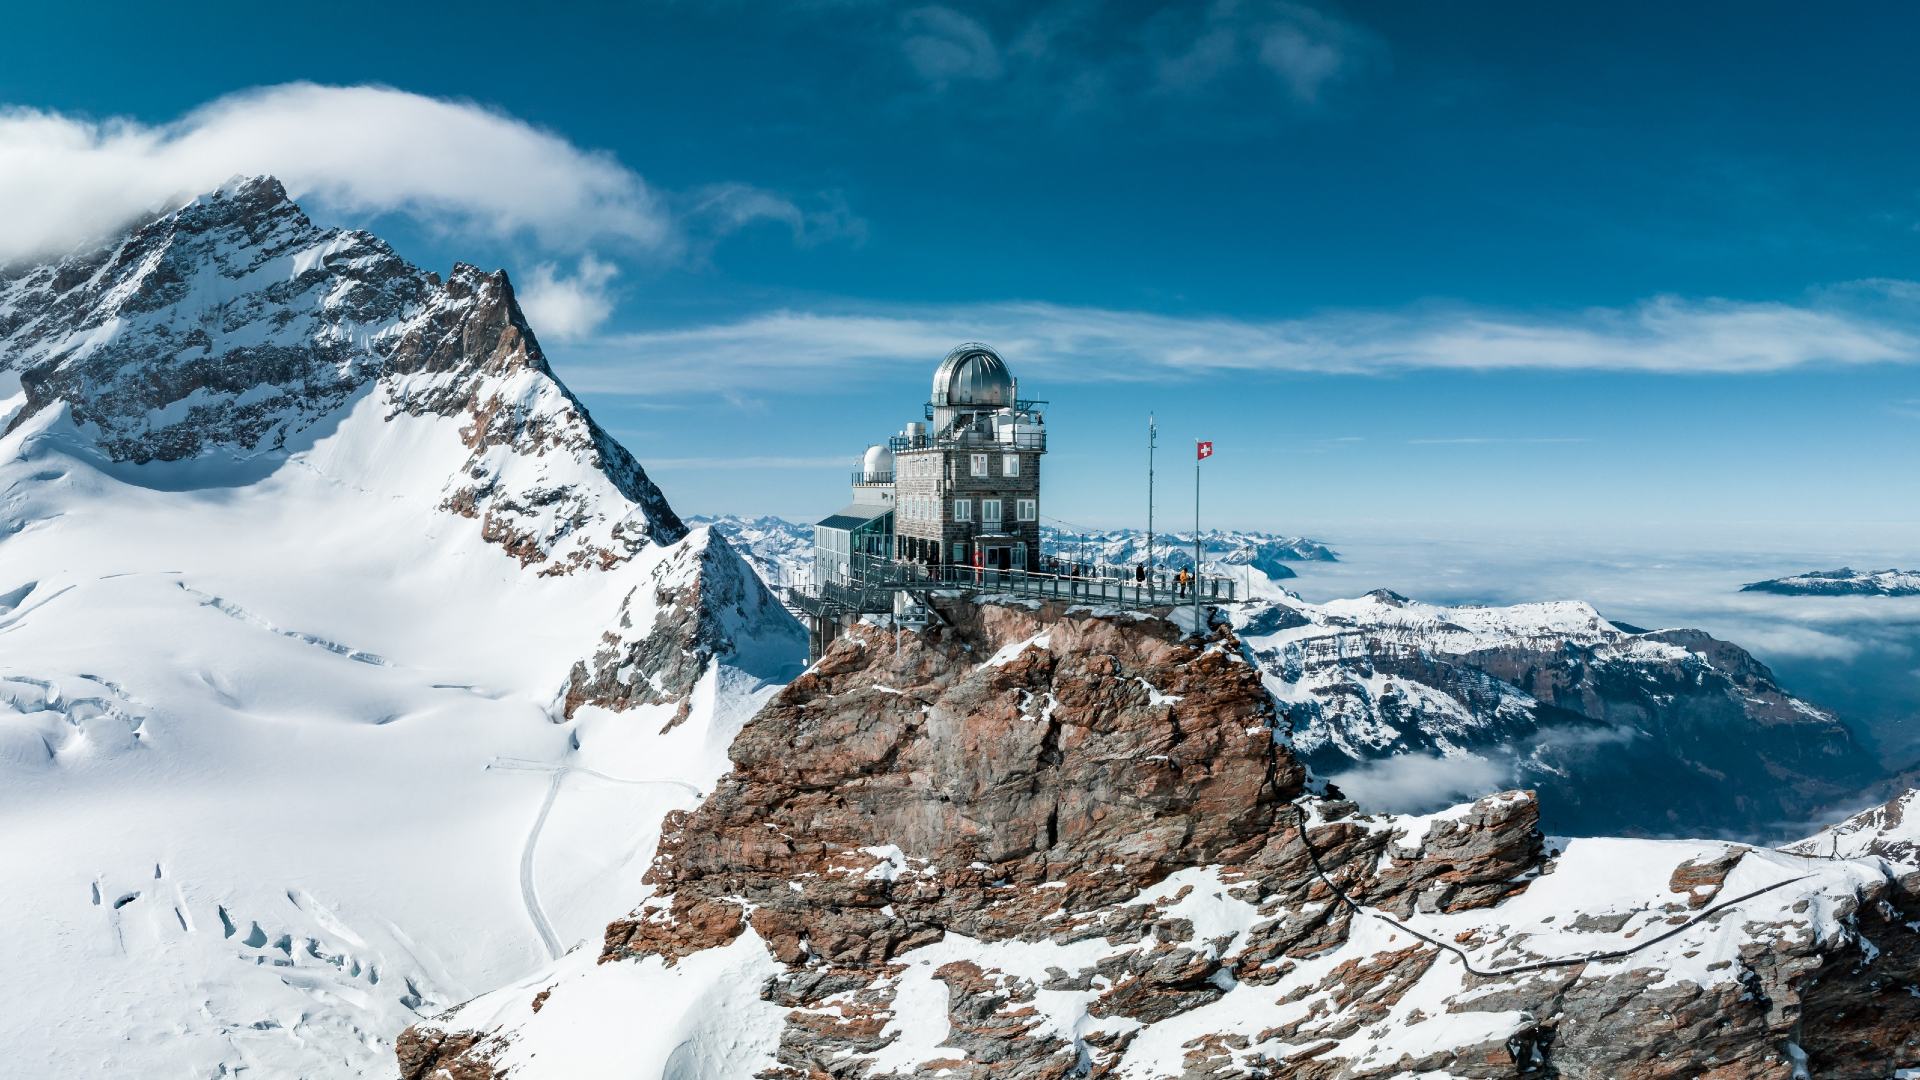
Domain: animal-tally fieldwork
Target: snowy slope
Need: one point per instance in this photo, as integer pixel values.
(300, 549)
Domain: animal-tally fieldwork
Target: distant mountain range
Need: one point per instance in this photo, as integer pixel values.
(782, 550)
(1842, 582)
(1266, 552)
(1666, 732)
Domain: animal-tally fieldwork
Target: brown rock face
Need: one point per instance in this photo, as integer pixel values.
(1023, 774)
(428, 1054)
(1024, 806)
(1097, 761)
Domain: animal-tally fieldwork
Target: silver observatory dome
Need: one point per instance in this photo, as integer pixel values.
(973, 375)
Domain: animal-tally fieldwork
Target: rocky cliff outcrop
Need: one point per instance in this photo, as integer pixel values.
(1041, 843)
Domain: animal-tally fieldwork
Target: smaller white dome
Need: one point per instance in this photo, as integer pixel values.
(877, 464)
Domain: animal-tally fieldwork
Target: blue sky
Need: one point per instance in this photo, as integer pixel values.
(1432, 268)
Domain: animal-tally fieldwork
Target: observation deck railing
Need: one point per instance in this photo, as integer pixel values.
(871, 582)
(972, 440)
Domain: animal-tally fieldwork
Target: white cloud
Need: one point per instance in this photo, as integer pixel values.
(1665, 335)
(751, 462)
(944, 46)
(717, 210)
(356, 150)
(1419, 783)
(1054, 56)
(1786, 640)
(565, 308)
(1303, 61)
(1303, 49)
(1496, 440)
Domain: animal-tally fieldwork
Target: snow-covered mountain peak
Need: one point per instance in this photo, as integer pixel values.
(1845, 581)
(235, 328)
(1890, 831)
(350, 667)
(1466, 627)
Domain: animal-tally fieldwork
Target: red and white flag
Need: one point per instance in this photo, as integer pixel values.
(1205, 449)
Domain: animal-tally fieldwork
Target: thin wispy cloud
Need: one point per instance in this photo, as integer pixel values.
(357, 150)
(1493, 440)
(751, 462)
(1062, 56)
(1666, 335)
(944, 46)
(1301, 49)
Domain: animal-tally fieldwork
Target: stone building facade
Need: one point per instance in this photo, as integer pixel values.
(967, 484)
(961, 488)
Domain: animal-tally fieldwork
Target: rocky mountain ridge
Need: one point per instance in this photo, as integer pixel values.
(1384, 690)
(1269, 553)
(1039, 843)
(236, 326)
(1845, 581)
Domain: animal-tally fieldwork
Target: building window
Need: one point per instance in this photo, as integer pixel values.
(1026, 509)
(959, 552)
(1020, 555)
(990, 511)
(980, 465)
(1010, 464)
(963, 509)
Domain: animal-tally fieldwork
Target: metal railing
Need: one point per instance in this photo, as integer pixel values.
(971, 440)
(872, 581)
(862, 476)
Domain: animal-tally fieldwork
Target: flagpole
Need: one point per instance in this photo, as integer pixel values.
(1196, 542)
(1153, 433)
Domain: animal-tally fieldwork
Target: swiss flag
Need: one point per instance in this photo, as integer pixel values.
(1206, 450)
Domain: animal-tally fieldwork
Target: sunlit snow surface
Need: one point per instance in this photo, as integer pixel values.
(274, 738)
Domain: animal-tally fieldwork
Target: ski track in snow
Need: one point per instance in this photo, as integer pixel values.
(528, 892)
